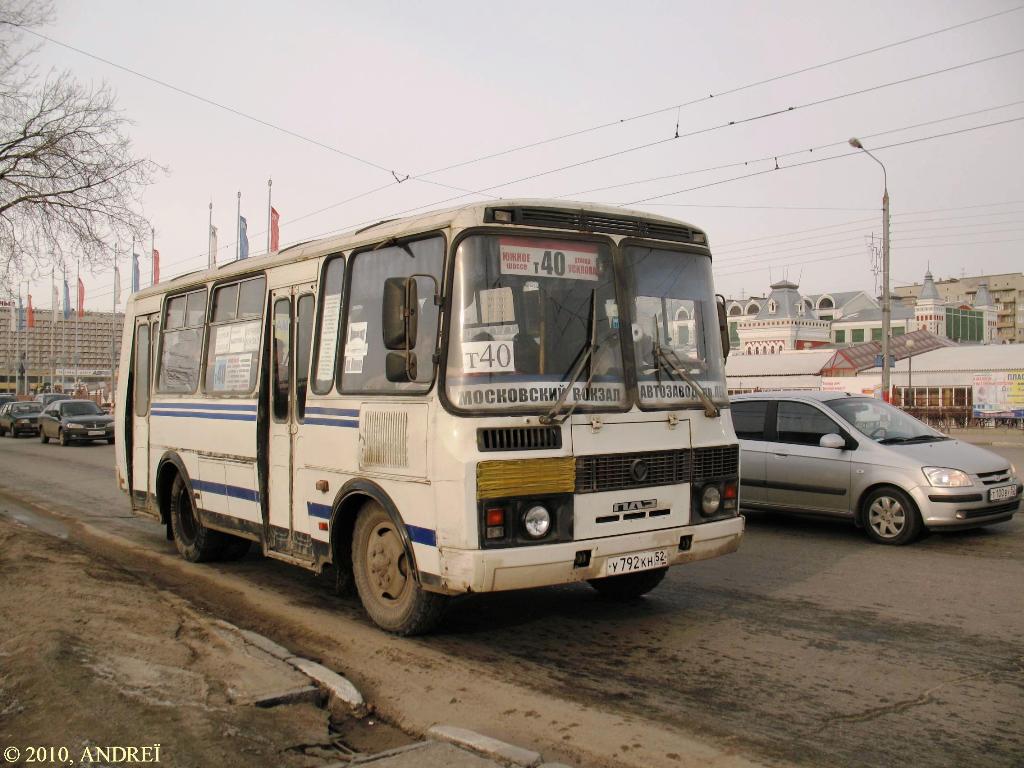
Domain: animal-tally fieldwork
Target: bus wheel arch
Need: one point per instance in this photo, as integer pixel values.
(169, 467)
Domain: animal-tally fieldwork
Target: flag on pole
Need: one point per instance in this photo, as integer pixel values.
(117, 285)
(156, 266)
(31, 313)
(213, 246)
(21, 312)
(135, 272)
(243, 238)
(81, 298)
(67, 299)
(55, 302)
(275, 231)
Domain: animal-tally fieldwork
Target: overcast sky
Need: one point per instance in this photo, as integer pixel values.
(413, 87)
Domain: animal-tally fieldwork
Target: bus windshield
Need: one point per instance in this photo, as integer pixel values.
(529, 314)
(675, 327)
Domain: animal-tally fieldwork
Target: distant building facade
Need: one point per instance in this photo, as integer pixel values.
(1003, 292)
(47, 355)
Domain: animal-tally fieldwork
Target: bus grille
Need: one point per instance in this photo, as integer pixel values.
(589, 221)
(518, 438)
(616, 472)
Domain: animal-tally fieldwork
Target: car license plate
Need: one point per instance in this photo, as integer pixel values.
(1001, 494)
(95, 432)
(638, 561)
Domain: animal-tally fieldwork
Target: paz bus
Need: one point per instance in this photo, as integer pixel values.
(501, 396)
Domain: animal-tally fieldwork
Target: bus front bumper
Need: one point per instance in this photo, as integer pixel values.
(546, 565)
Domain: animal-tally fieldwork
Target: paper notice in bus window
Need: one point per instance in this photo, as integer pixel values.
(252, 336)
(237, 343)
(355, 347)
(329, 337)
(548, 258)
(488, 357)
(231, 373)
(223, 340)
(496, 306)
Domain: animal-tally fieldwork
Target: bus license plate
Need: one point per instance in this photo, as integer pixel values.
(638, 561)
(93, 432)
(1001, 494)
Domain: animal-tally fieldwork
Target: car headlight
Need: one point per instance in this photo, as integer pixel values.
(943, 477)
(1013, 469)
(537, 522)
(710, 500)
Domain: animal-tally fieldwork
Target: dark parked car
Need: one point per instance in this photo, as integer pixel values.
(5, 399)
(75, 421)
(20, 418)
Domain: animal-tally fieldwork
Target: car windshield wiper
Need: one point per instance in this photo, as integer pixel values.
(914, 439)
(588, 350)
(667, 360)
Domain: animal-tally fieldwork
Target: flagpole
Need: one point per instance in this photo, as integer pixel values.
(53, 327)
(209, 238)
(152, 258)
(78, 293)
(238, 228)
(64, 332)
(270, 183)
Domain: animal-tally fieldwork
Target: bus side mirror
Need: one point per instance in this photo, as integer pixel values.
(399, 310)
(723, 324)
(400, 367)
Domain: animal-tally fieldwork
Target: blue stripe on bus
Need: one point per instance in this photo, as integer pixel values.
(208, 406)
(318, 510)
(332, 411)
(220, 489)
(195, 415)
(332, 422)
(422, 535)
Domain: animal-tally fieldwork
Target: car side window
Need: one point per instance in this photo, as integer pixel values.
(803, 424)
(748, 419)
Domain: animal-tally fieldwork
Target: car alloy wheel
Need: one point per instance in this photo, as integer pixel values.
(887, 517)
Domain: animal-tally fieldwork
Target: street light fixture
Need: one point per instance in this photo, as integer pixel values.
(886, 303)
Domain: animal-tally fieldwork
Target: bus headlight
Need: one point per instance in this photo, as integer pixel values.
(537, 522)
(710, 500)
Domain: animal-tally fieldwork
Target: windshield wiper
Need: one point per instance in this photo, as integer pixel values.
(914, 439)
(673, 365)
(585, 354)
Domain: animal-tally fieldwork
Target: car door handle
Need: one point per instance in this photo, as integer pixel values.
(782, 455)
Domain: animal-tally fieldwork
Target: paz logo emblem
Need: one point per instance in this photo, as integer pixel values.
(638, 470)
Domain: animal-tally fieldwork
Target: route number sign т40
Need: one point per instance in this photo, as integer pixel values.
(548, 258)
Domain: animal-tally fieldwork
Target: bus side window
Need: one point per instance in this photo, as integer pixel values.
(233, 346)
(364, 353)
(303, 342)
(182, 342)
(142, 369)
(281, 358)
(330, 323)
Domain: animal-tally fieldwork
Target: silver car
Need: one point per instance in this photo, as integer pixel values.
(828, 453)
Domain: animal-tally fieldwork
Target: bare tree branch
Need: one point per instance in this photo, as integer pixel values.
(70, 184)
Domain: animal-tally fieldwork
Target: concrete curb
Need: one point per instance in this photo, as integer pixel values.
(338, 687)
(485, 745)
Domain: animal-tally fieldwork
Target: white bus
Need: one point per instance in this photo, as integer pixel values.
(505, 395)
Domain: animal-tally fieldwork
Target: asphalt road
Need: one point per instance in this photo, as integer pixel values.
(810, 646)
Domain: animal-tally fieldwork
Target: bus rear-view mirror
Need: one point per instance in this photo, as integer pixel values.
(723, 324)
(399, 310)
(400, 367)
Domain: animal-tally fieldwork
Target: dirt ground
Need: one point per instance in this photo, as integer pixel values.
(92, 655)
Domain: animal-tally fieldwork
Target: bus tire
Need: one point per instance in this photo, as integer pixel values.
(629, 585)
(195, 542)
(384, 579)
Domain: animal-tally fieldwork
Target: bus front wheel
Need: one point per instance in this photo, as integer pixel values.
(629, 585)
(384, 577)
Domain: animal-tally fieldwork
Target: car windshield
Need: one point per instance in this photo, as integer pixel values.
(882, 422)
(529, 313)
(80, 409)
(23, 408)
(675, 327)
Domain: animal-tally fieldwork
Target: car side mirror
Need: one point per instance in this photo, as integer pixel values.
(832, 440)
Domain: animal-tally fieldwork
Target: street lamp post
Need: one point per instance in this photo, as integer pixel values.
(886, 302)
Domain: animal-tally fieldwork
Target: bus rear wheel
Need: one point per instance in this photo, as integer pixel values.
(195, 542)
(384, 577)
(629, 585)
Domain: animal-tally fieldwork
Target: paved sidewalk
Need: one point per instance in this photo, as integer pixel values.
(1003, 436)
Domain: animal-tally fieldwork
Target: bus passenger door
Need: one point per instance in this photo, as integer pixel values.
(142, 362)
(291, 324)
